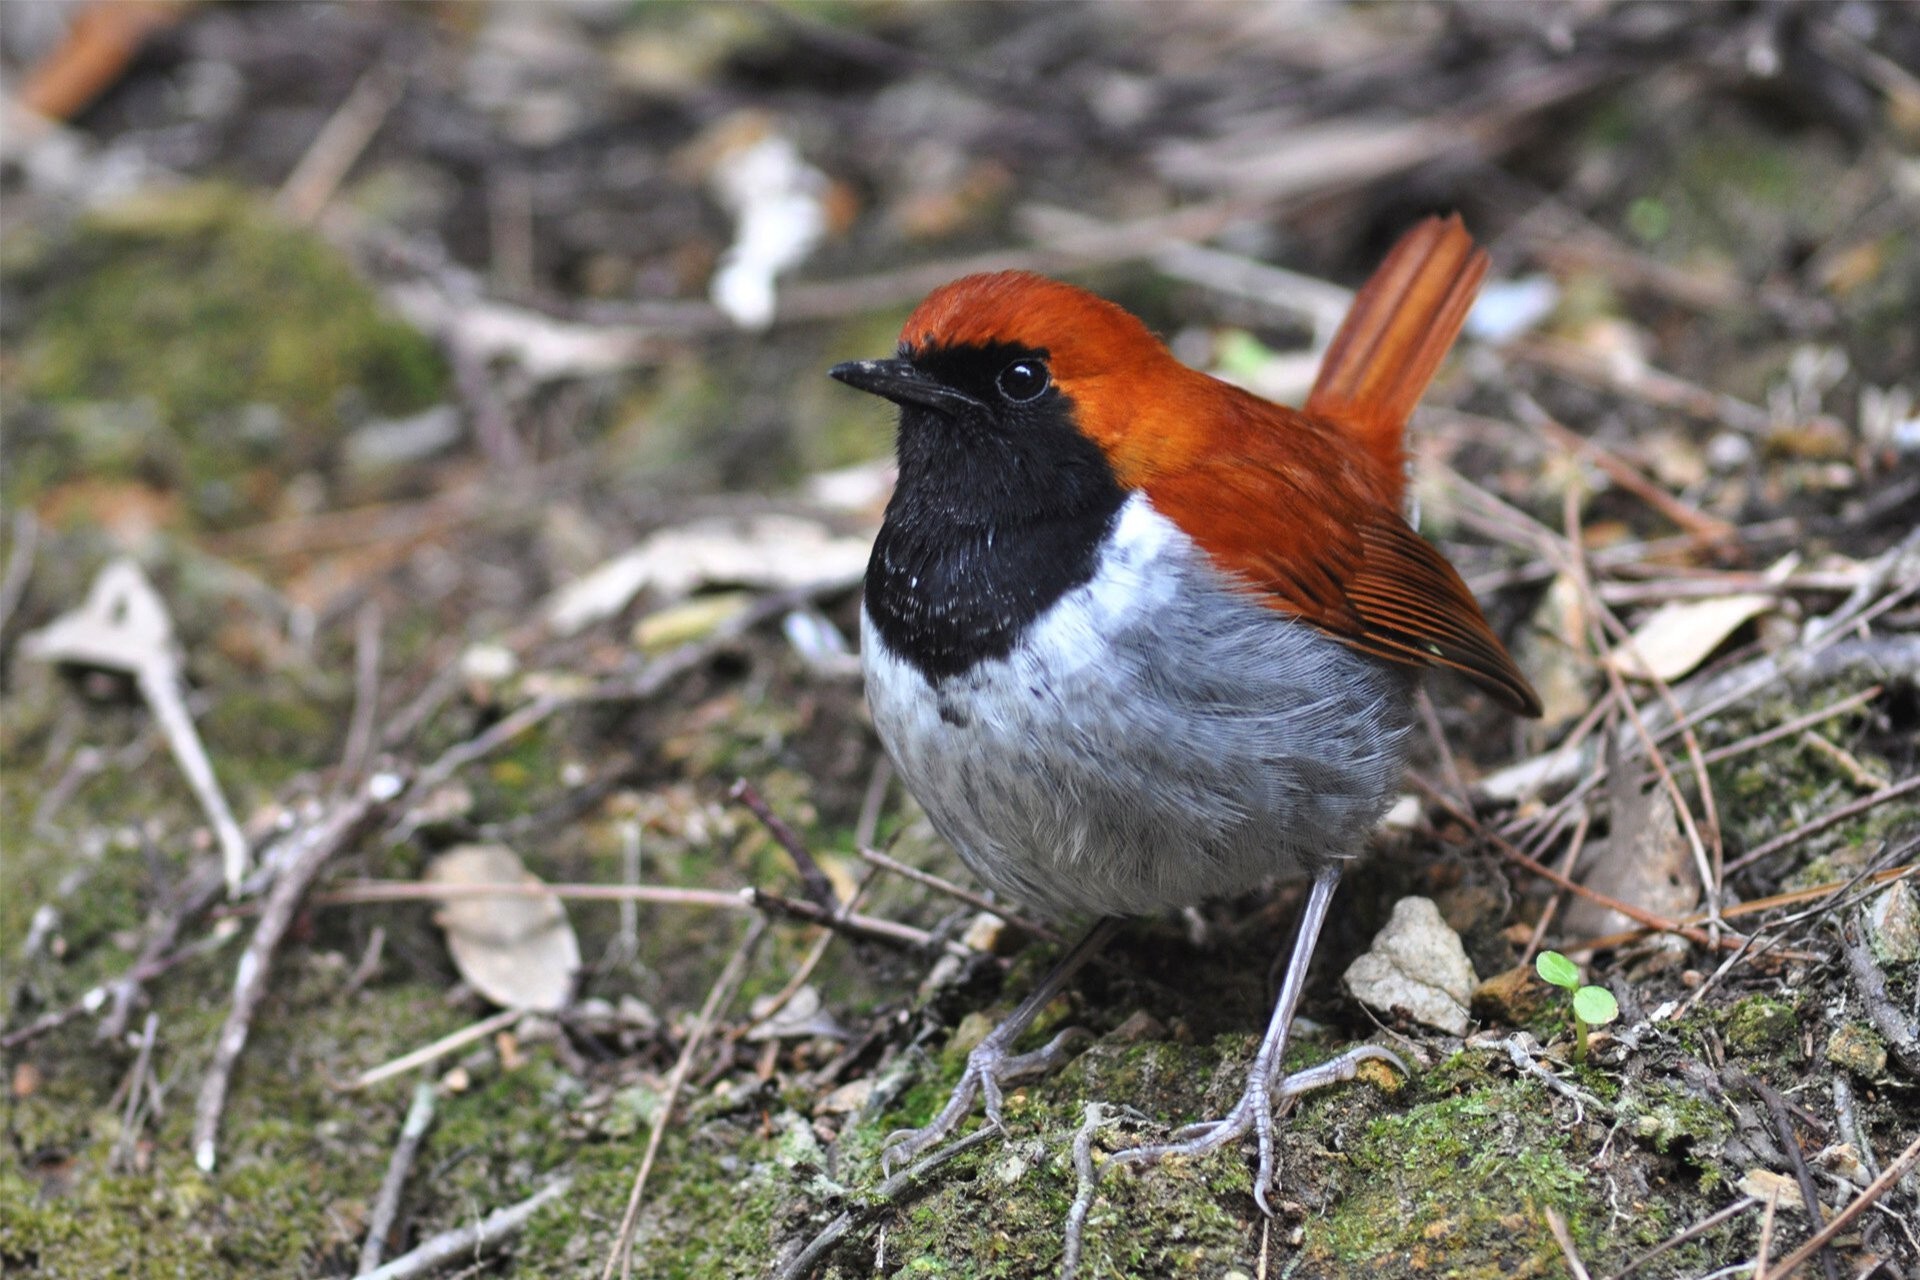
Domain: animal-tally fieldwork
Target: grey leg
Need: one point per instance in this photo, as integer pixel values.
(992, 1064)
(1254, 1111)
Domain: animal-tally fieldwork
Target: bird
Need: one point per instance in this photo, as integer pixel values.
(1135, 638)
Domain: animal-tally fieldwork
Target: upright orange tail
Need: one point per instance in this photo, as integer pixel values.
(1402, 323)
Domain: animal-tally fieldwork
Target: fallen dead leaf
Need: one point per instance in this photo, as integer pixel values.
(1645, 860)
(1679, 636)
(1764, 1184)
(769, 552)
(518, 951)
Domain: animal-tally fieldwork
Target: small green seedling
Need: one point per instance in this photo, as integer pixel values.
(1592, 1006)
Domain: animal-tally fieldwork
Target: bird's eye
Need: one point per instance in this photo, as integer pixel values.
(1023, 380)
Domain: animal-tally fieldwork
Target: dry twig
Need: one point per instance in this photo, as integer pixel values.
(882, 1199)
(960, 893)
(311, 846)
(438, 1049)
(1832, 817)
(620, 1258)
(94, 997)
(386, 1206)
(1790, 1143)
(1564, 1238)
(1857, 1206)
(819, 889)
(1894, 1027)
(19, 570)
(467, 1241)
(340, 142)
(1657, 923)
(1694, 1232)
(1086, 1182)
(358, 751)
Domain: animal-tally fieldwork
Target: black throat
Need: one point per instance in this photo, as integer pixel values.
(998, 513)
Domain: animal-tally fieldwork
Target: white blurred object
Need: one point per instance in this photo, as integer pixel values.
(124, 626)
(779, 205)
(767, 552)
(1508, 308)
(820, 644)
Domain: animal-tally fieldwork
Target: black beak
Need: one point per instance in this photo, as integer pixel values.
(902, 382)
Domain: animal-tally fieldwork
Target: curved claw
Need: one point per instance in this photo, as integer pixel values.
(1337, 1071)
(992, 1062)
(989, 1066)
(1255, 1112)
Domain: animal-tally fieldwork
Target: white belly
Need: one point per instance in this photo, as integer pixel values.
(1154, 739)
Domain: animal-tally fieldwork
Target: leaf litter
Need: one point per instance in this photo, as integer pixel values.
(1703, 248)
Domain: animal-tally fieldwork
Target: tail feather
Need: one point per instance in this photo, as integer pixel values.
(1402, 323)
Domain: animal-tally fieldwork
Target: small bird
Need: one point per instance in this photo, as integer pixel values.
(1136, 638)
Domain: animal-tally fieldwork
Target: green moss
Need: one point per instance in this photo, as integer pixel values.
(299, 1159)
(717, 1215)
(262, 736)
(1459, 1185)
(1760, 1022)
(1855, 1048)
(192, 337)
(1675, 1121)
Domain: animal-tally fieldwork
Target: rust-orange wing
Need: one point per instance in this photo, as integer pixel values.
(1285, 500)
(1284, 507)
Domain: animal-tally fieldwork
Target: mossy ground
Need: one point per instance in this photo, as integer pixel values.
(189, 363)
(193, 341)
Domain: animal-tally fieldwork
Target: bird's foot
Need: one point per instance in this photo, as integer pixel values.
(990, 1066)
(1254, 1113)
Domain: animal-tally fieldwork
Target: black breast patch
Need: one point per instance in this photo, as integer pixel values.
(999, 512)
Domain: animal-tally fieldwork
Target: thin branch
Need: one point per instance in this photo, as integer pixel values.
(200, 891)
(438, 1049)
(721, 994)
(313, 846)
(129, 1120)
(366, 695)
(1857, 1206)
(1522, 1057)
(1743, 1205)
(1707, 530)
(386, 1207)
(962, 894)
(815, 954)
(883, 1199)
(340, 142)
(19, 570)
(450, 1246)
(1564, 1238)
(1790, 1143)
(1832, 817)
(1871, 983)
(94, 997)
(1754, 741)
(1086, 1182)
(819, 889)
(1658, 923)
(856, 924)
(358, 891)
(1812, 893)
(873, 928)
(1766, 1233)
(1597, 617)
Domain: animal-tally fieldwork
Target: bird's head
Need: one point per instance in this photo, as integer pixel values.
(1012, 354)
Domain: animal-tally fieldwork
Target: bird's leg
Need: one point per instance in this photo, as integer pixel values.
(992, 1064)
(1254, 1111)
